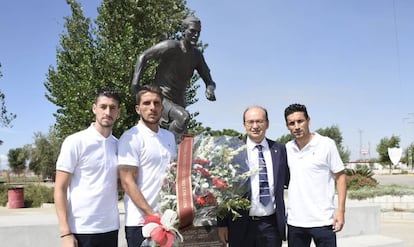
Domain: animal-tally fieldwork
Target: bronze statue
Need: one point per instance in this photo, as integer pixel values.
(177, 61)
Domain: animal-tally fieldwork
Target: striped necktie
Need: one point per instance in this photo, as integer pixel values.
(263, 181)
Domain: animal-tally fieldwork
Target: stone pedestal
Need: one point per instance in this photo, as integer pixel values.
(200, 236)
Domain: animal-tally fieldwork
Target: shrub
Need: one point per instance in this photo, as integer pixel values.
(35, 195)
(3, 194)
(357, 181)
(359, 178)
(362, 170)
(381, 190)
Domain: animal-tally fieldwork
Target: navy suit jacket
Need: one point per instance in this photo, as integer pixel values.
(237, 229)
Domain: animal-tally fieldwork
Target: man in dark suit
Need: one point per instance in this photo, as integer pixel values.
(264, 224)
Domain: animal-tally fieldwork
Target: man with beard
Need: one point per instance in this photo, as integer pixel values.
(144, 153)
(177, 60)
(86, 188)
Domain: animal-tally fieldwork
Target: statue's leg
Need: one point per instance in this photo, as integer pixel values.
(175, 118)
(180, 118)
(179, 126)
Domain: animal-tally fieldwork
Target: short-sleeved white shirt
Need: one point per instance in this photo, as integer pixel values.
(93, 192)
(151, 152)
(312, 182)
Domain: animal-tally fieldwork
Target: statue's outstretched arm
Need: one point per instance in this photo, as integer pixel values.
(204, 73)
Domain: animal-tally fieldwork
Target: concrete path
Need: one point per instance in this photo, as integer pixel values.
(399, 226)
(400, 179)
(37, 225)
(39, 221)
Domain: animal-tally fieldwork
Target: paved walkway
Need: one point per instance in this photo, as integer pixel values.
(396, 225)
(393, 224)
(400, 179)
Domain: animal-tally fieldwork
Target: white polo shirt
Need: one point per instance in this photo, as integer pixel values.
(93, 190)
(151, 152)
(311, 189)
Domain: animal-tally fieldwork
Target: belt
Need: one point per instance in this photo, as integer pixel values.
(257, 218)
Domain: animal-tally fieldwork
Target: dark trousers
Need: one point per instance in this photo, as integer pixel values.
(107, 239)
(302, 236)
(133, 235)
(262, 232)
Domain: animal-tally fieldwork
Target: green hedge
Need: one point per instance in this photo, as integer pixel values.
(34, 195)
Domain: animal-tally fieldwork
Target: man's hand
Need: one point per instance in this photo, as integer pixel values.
(69, 241)
(223, 234)
(339, 222)
(210, 93)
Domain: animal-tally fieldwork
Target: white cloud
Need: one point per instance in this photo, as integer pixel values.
(4, 164)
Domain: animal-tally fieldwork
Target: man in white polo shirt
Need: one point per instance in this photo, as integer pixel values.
(314, 165)
(86, 191)
(145, 151)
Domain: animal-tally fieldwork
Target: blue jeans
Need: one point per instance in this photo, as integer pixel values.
(107, 239)
(302, 236)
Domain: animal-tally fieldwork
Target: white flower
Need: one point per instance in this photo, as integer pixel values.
(205, 185)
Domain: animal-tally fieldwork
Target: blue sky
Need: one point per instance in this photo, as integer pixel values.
(351, 62)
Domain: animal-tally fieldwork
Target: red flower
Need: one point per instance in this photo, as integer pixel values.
(200, 200)
(219, 183)
(206, 200)
(203, 171)
(210, 199)
(201, 162)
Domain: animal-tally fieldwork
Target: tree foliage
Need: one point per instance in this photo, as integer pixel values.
(285, 138)
(17, 159)
(201, 130)
(44, 153)
(382, 149)
(73, 83)
(102, 54)
(408, 155)
(5, 117)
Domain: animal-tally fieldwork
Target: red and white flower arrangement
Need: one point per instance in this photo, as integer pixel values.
(219, 176)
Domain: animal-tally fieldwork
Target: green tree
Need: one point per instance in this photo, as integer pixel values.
(382, 149)
(102, 54)
(44, 153)
(285, 138)
(73, 83)
(200, 130)
(5, 117)
(408, 155)
(17, 159)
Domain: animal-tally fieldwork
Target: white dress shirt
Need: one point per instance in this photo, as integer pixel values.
(257, 208)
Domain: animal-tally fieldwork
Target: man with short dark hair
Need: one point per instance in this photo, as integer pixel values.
(86, 188)
(144, 154)
(315, 167)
